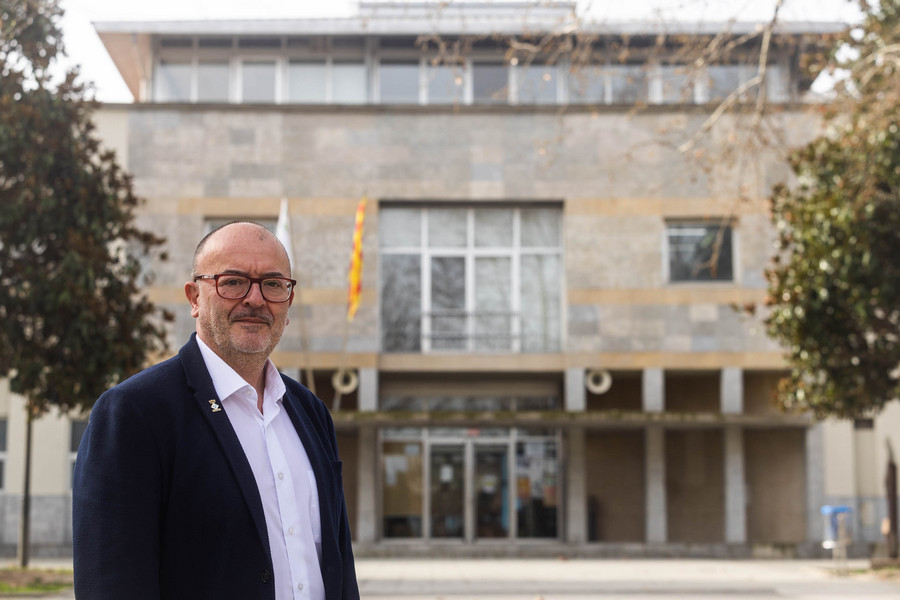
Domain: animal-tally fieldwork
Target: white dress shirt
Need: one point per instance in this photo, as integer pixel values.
(284, 476)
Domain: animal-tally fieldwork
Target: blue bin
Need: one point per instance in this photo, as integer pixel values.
(837, 525)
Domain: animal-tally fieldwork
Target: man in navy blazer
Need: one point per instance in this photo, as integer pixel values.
(180, 493)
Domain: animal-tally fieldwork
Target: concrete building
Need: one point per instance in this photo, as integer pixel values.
(546, 358)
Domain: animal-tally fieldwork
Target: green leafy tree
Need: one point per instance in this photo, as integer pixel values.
(73, 320)
(835, 284)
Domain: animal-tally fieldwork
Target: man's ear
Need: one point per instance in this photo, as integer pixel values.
(290, 302)
(192, 293)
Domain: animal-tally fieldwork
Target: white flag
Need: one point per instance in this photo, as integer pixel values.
(283, 230)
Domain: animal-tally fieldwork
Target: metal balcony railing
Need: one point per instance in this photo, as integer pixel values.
(479, 331)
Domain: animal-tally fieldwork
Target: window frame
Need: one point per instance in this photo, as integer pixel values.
(4, 454)
(731, 226)
(470, 253)
(73, 454)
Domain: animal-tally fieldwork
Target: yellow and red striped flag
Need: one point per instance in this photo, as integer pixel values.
(355, 274)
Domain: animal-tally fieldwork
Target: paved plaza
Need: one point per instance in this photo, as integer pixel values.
(550, 579)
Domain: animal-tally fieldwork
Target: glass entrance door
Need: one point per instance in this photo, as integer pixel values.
(447, 491)
(491, 491)
(466, 485)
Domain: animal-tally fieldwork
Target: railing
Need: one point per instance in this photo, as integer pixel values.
(480, 331)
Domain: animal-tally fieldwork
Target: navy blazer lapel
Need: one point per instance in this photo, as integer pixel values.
(210, 406)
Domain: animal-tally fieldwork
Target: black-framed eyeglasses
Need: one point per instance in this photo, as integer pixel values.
(234, 287)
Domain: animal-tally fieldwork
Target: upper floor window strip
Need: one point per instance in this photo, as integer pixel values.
(357, 71)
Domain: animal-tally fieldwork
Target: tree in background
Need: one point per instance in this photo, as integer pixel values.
(72, 319)
(835, 284)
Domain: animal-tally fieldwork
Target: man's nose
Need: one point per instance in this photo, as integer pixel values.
(254, 295)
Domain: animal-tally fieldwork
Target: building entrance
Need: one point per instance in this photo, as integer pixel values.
(470, 485)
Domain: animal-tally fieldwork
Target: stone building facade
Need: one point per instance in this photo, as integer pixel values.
(547, 357)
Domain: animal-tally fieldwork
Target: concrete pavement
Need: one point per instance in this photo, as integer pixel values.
(523, 579)
(548, 579)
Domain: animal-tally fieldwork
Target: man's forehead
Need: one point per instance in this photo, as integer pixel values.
(242, 242)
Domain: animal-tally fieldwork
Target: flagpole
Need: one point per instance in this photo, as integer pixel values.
(283, 233)
(354, 278)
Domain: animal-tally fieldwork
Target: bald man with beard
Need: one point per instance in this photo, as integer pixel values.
(211, 475)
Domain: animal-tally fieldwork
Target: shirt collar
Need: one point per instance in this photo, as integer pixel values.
(226, 381)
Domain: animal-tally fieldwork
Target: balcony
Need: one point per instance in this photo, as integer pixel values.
(463, 332)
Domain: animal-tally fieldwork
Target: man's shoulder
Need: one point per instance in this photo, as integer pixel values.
(164, 376)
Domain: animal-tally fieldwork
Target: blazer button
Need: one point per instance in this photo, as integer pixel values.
(265, 576)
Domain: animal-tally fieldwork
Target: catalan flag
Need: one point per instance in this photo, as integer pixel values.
(355, 274)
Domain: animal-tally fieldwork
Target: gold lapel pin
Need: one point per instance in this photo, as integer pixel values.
(214, 406)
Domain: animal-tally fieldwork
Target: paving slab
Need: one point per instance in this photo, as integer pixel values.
(603, 579)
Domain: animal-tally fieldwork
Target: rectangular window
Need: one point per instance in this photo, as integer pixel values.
(587, 84)
(399, 81)
(628, 83)
(470, 279)
(699, 252)
(349, 82)
(677, 85)
(3, 426)
(537, 84)
(212, 223)
(173, 81)
(258, 81)
(723, 80)
(446, 84)
(490, 83)
(470, 484)
(307, 82)
(537, 488)
(212, 81)
(402, 475)
(76, 431)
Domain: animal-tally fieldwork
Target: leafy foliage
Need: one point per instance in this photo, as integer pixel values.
(72, 320)
(835, 286)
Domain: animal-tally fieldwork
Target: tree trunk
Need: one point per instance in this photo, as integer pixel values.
(890, 482)
(25, 516)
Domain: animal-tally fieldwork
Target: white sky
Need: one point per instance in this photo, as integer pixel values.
(84, 47)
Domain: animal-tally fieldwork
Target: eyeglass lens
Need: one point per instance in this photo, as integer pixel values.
(234, 287)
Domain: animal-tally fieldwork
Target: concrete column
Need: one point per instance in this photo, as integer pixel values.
(732, 391)
(654, 390)
(735, 487)
(815, 483)
(576, 496)
(366, 526)
(655, 474)
(368, 390)
(576, 396)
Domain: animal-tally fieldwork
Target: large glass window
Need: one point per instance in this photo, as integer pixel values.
(307, 82)
(628, 83)
(677, 87)
(173, 81)
(537, 488)
(490, 83)
(3, 453)
(445, 84)
(76, 431)
(399, 81)
(587, 84)
(348, 82)
(258, 81)
(723, 80)
(470, 279)
(402, 485)
(469, 485)
(699, 252)
(212, 81)
(537, 84)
